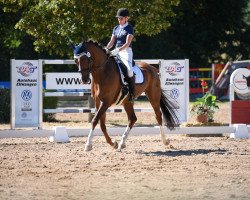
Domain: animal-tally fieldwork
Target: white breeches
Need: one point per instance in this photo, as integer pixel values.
(126, 56)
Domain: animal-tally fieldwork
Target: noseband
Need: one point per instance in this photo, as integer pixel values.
(89, 69)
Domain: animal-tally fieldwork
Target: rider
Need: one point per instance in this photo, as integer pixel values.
(122, 37)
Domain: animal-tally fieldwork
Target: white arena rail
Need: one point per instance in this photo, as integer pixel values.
(78, 132)
(71, 62)
(65, 94)
(92, 110)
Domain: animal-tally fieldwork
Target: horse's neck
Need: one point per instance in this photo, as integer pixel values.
(104, 66)
(106, 73)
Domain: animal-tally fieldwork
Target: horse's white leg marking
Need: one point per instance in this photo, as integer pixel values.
(124, 138)
(164, 140)
(88, 146)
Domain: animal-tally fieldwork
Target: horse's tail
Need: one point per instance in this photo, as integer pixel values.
(168, 110)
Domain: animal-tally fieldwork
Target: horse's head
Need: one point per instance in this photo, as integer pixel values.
(248, 80)
(84, 62)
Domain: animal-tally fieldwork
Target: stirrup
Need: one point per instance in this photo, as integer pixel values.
(131, 98)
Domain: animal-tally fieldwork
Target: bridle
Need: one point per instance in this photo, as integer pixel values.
(90, 68)
(90, 60)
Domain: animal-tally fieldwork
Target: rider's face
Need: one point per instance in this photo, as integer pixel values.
(122, 20)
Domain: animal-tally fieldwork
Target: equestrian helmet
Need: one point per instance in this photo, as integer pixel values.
(122, 12)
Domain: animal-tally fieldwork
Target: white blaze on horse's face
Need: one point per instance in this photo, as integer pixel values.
(78, 64)
(77, 61)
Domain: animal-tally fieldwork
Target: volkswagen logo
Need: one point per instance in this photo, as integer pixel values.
(26, 95)
(174, 93)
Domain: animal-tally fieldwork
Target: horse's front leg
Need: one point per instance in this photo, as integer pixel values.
(101, 110)
(105, 133)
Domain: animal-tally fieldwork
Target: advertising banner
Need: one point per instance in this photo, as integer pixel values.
(25, 93)
(65, 81)
(174, 75)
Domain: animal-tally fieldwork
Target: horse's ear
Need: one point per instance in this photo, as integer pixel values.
(71, 43)
(72, 46)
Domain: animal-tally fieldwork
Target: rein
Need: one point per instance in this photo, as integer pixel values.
(103, 64)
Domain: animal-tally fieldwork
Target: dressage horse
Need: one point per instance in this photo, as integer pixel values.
(92, 58)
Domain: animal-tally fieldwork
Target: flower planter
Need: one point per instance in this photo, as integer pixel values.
(202, 118)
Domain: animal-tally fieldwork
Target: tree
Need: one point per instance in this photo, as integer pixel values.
(53, 22)
(203, 31)
(13, 43)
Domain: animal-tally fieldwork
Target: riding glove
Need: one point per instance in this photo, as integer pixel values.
(114, 52)
(106, 49)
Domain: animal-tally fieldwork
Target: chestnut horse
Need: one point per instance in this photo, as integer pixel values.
(92, 58)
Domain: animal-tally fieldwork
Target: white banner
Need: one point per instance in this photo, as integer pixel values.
(65, 81)
(25, 90)
(174, 76)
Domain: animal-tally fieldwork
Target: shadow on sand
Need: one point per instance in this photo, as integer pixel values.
(175, 153)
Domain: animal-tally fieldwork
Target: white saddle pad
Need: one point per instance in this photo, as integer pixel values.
(139, 78)
(138, 74)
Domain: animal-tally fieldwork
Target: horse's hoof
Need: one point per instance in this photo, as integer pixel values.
(166, 142)
(88, 148)
(121, 146)
(115, 145)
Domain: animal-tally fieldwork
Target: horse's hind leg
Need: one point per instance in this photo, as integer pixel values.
(154, 98)
(132, 119)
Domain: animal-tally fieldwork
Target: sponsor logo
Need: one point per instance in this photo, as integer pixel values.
(24, 115)
(174, 93)
(174, 81)
(26, 106)
(26, 82)
(26, 69)
(26, 95)
(240, 82)
(174, 68)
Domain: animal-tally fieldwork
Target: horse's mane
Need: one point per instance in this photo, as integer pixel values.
(101, 46)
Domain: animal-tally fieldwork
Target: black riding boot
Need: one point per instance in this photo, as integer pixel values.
(131, 86)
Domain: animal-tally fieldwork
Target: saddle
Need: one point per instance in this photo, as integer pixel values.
(139, 77)
(123, 71)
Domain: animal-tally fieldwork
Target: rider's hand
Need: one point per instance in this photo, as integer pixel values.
(114, 52)
(106, 49)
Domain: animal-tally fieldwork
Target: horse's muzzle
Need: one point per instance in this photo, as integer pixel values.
(86, 79)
